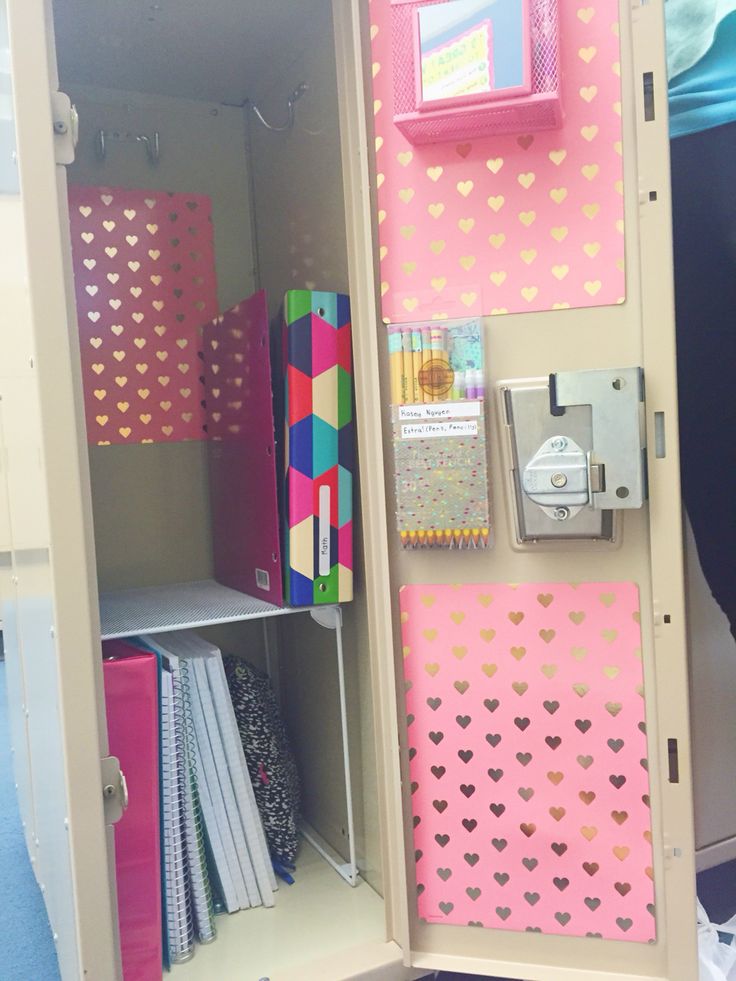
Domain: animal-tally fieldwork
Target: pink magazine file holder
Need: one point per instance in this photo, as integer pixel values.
(533, 105)
(131, 701)
(242, 455)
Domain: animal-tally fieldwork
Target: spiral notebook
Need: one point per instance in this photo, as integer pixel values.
(198, 815)
(215, 778)
(189, 908)
(199, 885)
(179, 931)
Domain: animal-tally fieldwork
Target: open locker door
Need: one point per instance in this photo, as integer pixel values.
(590, 873)
(69, 791)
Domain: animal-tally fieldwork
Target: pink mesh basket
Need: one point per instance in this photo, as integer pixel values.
(537, 110)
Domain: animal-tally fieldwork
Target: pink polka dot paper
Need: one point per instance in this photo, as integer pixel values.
(507, 224)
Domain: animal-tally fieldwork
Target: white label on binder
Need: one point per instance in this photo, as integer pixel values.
(439, 410)
(324, 530)
(429, 430)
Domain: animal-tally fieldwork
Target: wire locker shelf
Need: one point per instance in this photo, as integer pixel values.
(159, 609)
(154, 609)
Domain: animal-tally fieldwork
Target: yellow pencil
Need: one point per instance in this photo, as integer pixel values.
(416, 350)
(408, 366)
(426, 356)
(437, 343)
(396, 361)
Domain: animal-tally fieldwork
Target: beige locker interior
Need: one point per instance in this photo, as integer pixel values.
(105, 515)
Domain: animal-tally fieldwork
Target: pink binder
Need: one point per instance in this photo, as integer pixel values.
(242, 453)
(131, 698)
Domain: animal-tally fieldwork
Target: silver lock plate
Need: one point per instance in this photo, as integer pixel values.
(530, 430)
(615, 399)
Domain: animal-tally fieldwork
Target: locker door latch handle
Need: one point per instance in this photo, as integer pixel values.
(556, 478)
(616, 462)
(562, 477)
(66, 128)
(576, 452)
(114, 789)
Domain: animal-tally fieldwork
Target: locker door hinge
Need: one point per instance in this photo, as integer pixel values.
(66, 128)
(114, 789)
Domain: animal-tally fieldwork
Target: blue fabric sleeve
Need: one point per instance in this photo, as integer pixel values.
(704, 96)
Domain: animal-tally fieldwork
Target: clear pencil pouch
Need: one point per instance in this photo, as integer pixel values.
(439, 434)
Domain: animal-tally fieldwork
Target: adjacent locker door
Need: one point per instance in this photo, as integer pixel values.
(647, 561)
(50, 613)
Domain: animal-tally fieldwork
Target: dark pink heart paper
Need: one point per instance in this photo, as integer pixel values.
(145, 284)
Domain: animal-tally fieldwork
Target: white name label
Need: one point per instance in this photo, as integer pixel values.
(324, 531)
(428, 430)
(439, 410)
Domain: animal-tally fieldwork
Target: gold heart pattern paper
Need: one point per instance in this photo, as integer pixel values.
(528, 757)
(507, 224)
(145, 284)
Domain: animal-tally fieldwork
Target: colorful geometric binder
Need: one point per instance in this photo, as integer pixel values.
(528, 757)
(319, 448)
(242, 455)
(131, 699)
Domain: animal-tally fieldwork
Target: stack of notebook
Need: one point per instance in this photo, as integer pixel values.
(214, 851)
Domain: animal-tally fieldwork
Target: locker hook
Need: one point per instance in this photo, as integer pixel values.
(151, 143)
(301, 89)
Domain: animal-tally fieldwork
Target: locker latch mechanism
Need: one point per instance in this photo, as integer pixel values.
(616, 463)
(556, 478)
(577, 451)
(114, 789)
(66, 128)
